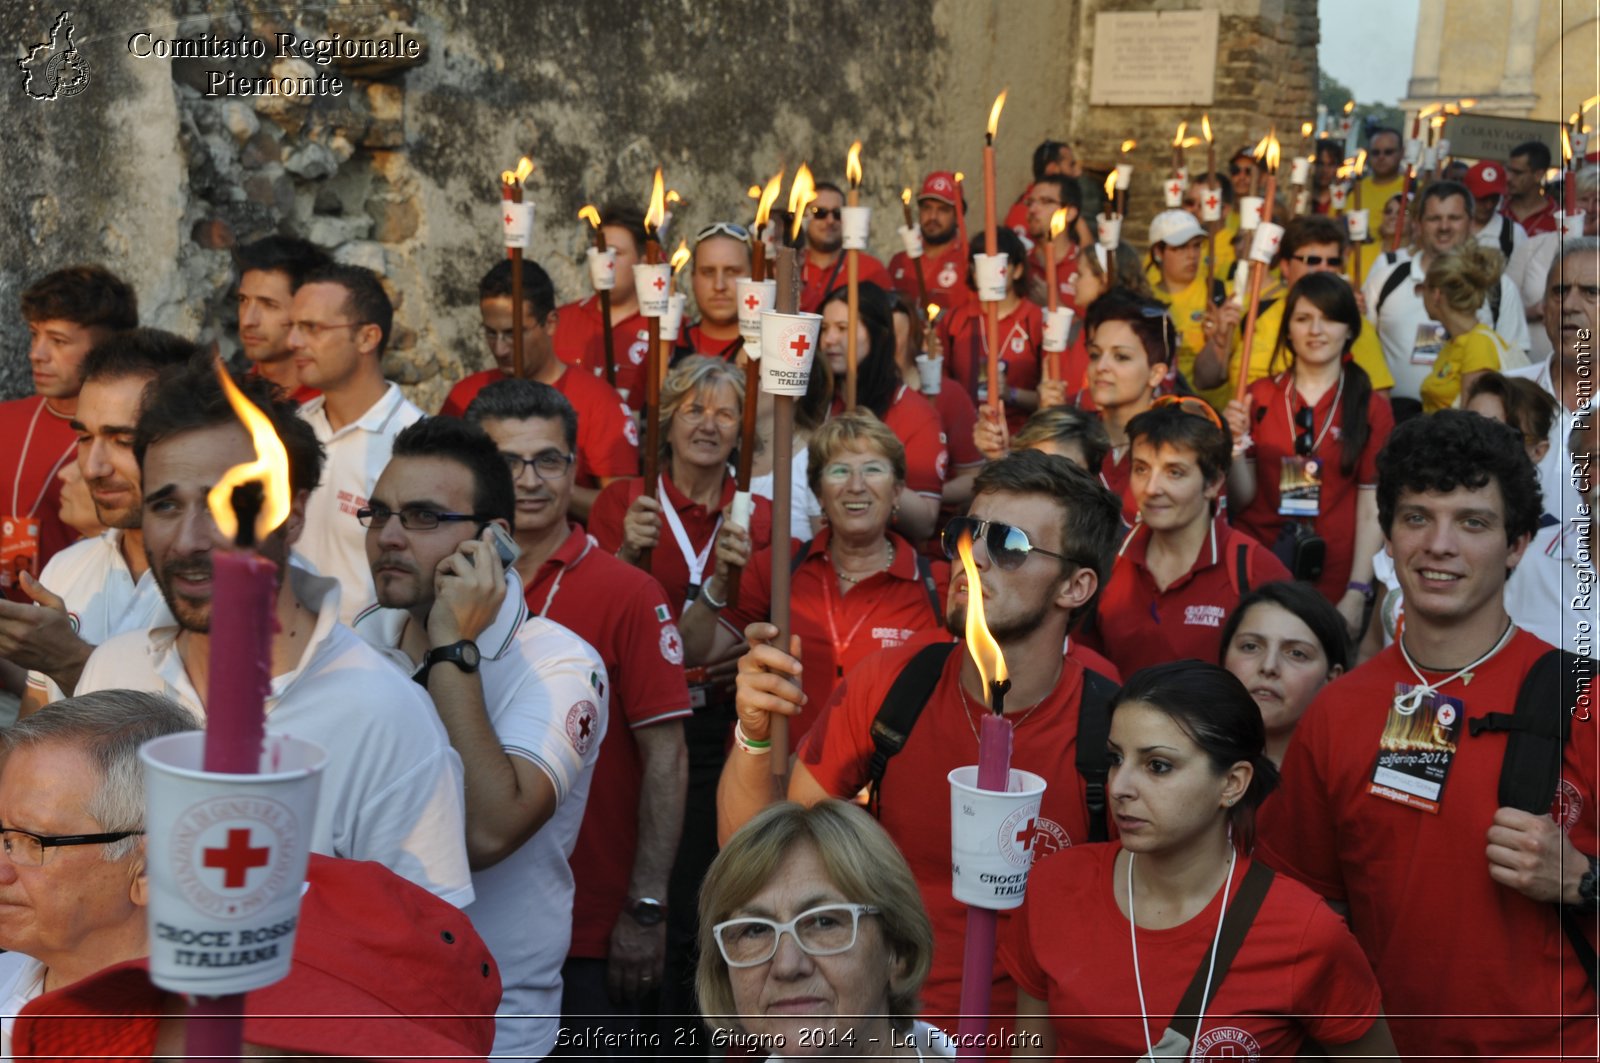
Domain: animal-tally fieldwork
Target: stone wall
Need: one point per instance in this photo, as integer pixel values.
(144, 171)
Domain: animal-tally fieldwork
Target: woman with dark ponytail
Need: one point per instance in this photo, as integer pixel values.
(1110, 937)
(1306, 447)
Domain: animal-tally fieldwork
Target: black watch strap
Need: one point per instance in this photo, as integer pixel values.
(463, 654)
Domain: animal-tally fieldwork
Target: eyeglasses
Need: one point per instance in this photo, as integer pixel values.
(1041, 201)
(825, 931)
(313, 329)
(412, 518)
(827, 212)
(1189, 404)
(549, 465)
(25, 848)
(722, 228)
(1304, 421)
(1384, 151)
(839, 472)
(1008, 546)
(1319, 260)
(495, 338)
(696, 414)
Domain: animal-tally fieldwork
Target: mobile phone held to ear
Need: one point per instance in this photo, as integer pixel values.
(504, 545)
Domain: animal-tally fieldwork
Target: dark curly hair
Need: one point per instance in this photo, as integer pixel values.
(1453, 448)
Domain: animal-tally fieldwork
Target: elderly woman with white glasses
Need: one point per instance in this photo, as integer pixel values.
(813, 939)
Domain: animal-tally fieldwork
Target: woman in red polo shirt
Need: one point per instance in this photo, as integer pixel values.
(702, 403)
(1131, 346)
(1313, 432)
(963, 336)
(855, 589)
(1111, 936)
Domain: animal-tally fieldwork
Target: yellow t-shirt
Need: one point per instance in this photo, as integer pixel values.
(1367, 352)
(1374, 196)
(1187, 310)
(1470, 352)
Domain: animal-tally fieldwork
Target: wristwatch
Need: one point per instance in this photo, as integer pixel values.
(1589, 887)
(464, 655)
(646, 911)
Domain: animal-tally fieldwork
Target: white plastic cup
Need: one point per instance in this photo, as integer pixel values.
(788, 347)
(1211, 204)
(1108, 230)
(1430, 158)
(856, 225)
(1172, 192)
(1571, 224)
(1358, 222)
(653, 287)
(1264, 245)
(1579, 141)
(672, 320)
(739, 510)
(991, 838)
(1444, 147)
(1302, 201)
(1241, 280)
(226, 858)
(1299, 170)
(1124, 176)
(754, 297)
(1250, 212)
(602, 269)
(931, 370)
(1337, 194)
(911, 240)
(989, 276)
(1413, 151)
(516, 222)
(1057, 327)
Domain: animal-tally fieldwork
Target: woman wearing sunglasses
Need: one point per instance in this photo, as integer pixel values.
(855, 589)
(964, 337)
(814, 941)
(1312, 436)
(1181, 570)
(1175, 918)
(1131, 347)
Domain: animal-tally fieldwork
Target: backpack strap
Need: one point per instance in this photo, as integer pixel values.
(925, 574)
(1496, 295)
(1230, 936)
(1241, 569)
(1094, 730)
(1507, 237)
(799, 557)
(1396, 277)
(901, 706)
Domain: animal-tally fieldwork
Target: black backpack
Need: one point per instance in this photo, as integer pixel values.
(1398, 275)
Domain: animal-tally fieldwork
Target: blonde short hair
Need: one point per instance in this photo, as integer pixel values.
(692, 377)
(861, 862)
(858, 429)
(1465, 275)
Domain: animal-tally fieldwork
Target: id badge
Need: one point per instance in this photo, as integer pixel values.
(1299, 487)
(1428, 343)
(1420, 738)
(19, 550)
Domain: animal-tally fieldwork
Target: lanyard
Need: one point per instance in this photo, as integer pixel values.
(696, 562)
(1333, 411)
(22, 462)
(839, 645)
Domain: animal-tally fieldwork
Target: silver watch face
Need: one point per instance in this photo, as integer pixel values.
(470, 655)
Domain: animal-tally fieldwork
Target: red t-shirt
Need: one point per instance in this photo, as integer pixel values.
(914, 421)
(1272, 429)
(1017, 214)
(667, 562)
(818, 281)
(1137, 625)
(624, 615)
(1470, 969)
(580, 341)
(608, 436)
(1117, 475)
(1542, 220)
(964, 336)
(1299, 971)
(36, 442)
(944, 270)
(1066, 275)
(695, 341)
(915, 797)
(837, 631)
(959, 415)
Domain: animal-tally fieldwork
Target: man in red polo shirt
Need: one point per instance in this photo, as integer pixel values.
(721, 257)
(1525, 199)
(1390, 801)
(608, 436)
(1044, 525)
(1051, 158)
(825, 258)
(944, 261)
(1182, 569)
(582, 338)
(270, 269)
(623, 858)
(1049, 194)
(67, 312)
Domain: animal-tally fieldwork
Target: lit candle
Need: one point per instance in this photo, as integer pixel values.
(605, 264)
(916, 259)
(852, 261)
(518, 221)
(1258, 270)
(992, 247)
(652, 376)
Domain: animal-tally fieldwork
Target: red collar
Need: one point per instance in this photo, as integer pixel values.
(903, 567)
(683, 503)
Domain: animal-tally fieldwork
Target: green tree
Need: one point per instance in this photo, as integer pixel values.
(1334, 94)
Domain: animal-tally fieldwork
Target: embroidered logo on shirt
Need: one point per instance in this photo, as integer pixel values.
(663, 614)
(947, 275)
(1204, 615)
(671, 644)
(1227, 1042)
(630, 427)
(1568, 805)
(581, 726)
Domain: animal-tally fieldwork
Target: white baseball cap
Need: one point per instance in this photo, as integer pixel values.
(1174, 228)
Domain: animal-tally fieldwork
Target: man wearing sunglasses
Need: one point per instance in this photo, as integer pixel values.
(1042, 529)
(721, 257)
(72, 859)
(825, 258)
(1385, 174)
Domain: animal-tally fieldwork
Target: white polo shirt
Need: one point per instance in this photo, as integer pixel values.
(101, 596)
(1411, 340)
(545, 690)
(1555, 470)
(1551, 592)
(392, 788)
(356, 456)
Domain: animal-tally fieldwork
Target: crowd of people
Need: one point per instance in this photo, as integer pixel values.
(1281, 623)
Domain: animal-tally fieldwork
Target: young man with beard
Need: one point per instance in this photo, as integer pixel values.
(824, 268)
(721, 257)
(102, 586)
(270, 269)
(944, 259)
(1043, 529)
(391, 790)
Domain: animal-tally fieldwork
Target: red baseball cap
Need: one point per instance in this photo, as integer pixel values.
(383, 970)
(940, 185)
(1485, 179)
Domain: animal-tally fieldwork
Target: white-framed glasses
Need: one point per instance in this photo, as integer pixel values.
(839, 472)
(823, 931)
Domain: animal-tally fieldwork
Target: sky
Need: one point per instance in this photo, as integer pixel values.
(1367, 45)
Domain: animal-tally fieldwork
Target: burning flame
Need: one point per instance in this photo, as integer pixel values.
(1111, 186)
(1189, 142)
(1566, 145)
(673, 197)
(1129, 145)
(1259, 152)
(933, 312)
(1177, 140)
(1467, 103)
(1452, 109)
(507, 177)
(1426, 111)
(1058, 223)
(984, 649)
(1590, 102)
(1306, 128)
(589, 214)
(994, 114)
(960, 177)
(769, 196)
(520, 174)
(754, 191)
(271, 467)
(852, 165)
(1272, 153)
(1361, 162)
(1205, 127)
(680, 257)
(1344, 172)
(905, 196)
(801, 192)
(1349, 106)
(658, 205)
(1437, 121)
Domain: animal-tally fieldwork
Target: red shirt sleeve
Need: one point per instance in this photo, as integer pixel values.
(605, 516)
(926, 457)
(1297, 833)
(873, 270)
(960, 416)
(650, 688)
(1380, 416)
(838, 747)
(755, 594)
(608, 434)
(577, 332)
